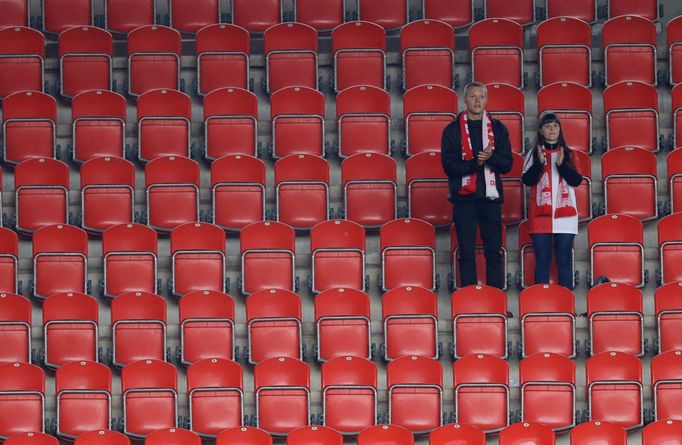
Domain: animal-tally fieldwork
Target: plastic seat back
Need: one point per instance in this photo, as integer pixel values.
(583, 193)
(123, 16)
(456, 13)
(139, 327)
(410, 317)
(674, 41)
(338, 256)
(631, 111)
(519, 11)
(669, 247)
(514, 207)
(268, 251)
(674, 164)
(363, 120)
(314, 434)
(107, 193)
(507, 104)
(564, 51)
(22, 393)
(29, 125)
(41, 192)
(458, 434)
(667, 300)
(173, 436)
(222, 57)
(496, 54)
(237, 191)
(256, 15)
(593, 432)
(9, 257)
(616, 321)
(479, 314)
(661, 432)
(206, 326)
(386, 13)
(302, 190)
(386, 435)
(22, 51)
(31, 439)
(98, 125)
(163, 124)
(630, 171)
(427, 43)
(427, 110)
(666, 380)
(527, 432)
(321, 15)
(647, 8)
(172, 185)
(15, 328)
(16, 13)
(616, 245)
(369, 189)
(85, 54)
(629, 44)
(245, 435)
(60, 15)
(427, 189)
(291, 56)
(129, 255)
(153, 59)
(585, 10)
(547, 314)
(70, 329)
(273, 313)
(230, 123)
(102, 437)
(197, 258)
(297, 115)
(408, 254)
(60, 260)
(190, 16)
(359, 50)
(573, 104)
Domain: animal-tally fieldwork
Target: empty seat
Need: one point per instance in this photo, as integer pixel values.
(342, 324)
(107, 193)
(230, 123)
(428, 54)
(674, 41)
(363, 115)
(150, 392)
(245, 435)
(268, 251)
(629, 181)
(172, 436)
(674, 164)
(631, 113)
(349, 394)
(410, 317)
(60, 15)
(153, 59)
(666, 380)
(85, 54)
(138, 324)
(313, 434)
(507, 104)
(216, 396)
(359, 50)
(197, 259)
(514, 207)
(669, 249)
(415, 393)
(321, 15)
(547, 313)
(338, 256)
(189, 16)
(585, 10)
(302, 190)
(525, 433)
(408, 254)
(22, 54)
(644, 8)
(572, 103)
(172, 189)
(123, 16)
(98, 125)
(70, 329)
(458, 434)
(427, 189)
(102, 437)
(256, 15)
(527, 259)
(163, 124)
(29, 125)
(291, 56)
(22, 393)
(83, 398)
(297, 115)
(129, 257)
(629, 44)
(31, 439)
(223, 52)
(456, 13)
(386, 435)
(548, 390)
(15, 13)
(496, 52)
(616, 244)
(427, 110)
(369, 189)
(385, 13)
(15, 328)
(519, 11)
(206, 326)
(9, 258)
(454, 276)
(589, 433)
(668, 302)
(616, 321)
(564, 51)
(60, 260)
(274, 313)
(237, 191)
(662, 432)
(583, 193)
(479, 317)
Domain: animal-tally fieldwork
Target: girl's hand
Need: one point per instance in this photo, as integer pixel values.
(560, 157)
(540, 155)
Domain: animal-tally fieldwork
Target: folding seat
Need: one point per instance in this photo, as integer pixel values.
(290, 56)
(662, 432)
(129, 257)
(674, 164)
(9, 257)
(237, 191)
(666, 381)
(408, 254)
(415, 393)
(15, 328)
(29, 125)
(507, 104)
(70, 329)
(138, 321)
(99, 125)
(216, 396)
(172, 436)
(189, 16)
(479, 319)
(363, 115)
(15, 13)
(124, 16)
(385, 13)
(386, 435)
(245, 435)
(60, 15)
(302, 190)
(321, 15)
(427, 110)
(496, 52)
(573, 104)
(107, 193)
(282, 388)
(256, 15)
(669, 249)
(349, 394)
(22, 393)
(230, 123)
(481, 384)
(527, 433)
(342, 324)
(206, 326)
(616, 321)
(647, 8)
(427, 189)
(631, 114)
(222, 58)
(595, 432)
(22, 52)
(547, 313)
(197, 259)
(585, 10)
(616, 245)
(102, 437)
(514, 209)
(60, 260)
(629, 181)
(274, 313)
(314, 435)
(548, 390)
(454, 276)
(297, 115)
(428, 54)
(31, 439)
(583, 193)
(629, 44)
(668, 302)
(674, 42)
(337, 256)
(614, 388)
(359, 50)
(527, 257)
(83, 398)
(564, 51)
(457, 434)
(172, 189)
(150, 393)
(85, 54)
(268, 252)
(153, 59)
(519, 11)
(369, 189)
(163, 124)
(410, 317)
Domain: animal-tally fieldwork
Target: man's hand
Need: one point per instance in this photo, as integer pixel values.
(484, 155)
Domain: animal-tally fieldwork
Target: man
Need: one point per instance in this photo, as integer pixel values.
(475, 150)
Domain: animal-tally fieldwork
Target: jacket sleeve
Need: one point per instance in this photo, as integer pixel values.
(570, 174)
(451, 155)
(501, 160)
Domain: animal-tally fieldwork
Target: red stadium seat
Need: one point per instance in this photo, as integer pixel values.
(153, 59)
(163, 124)
(676, 95)
(9, 257)
(666, 380)
(669, 248)
(99, 125)
(216, 396)
(647, 8)
(386, 435)
(349, 394)
(129, 257)
(206, 326)
(60, 262)
(427, 189)
(222, 58)
(456, 13)
(22, 54)
(507, 104)
(591, 433)
(408, 254)
(338, 256)
(359, 50)
(230, 123)
(189, 16)
(410, 317)
(107, 193)
(527, 259)
(427, 110)
(415, 393)
(514, 209)
(256, 15)
(616, 245)
(138, 321)
(428, 54)
(616, 321)
(385, 13)
(674, 164)
(70, 329)
(480, 258)
(314, 434)
(22, 393)
(274, 313)
(85, 54)
(674, 41)
(585, 10)
(15, 328)
(668, 301)
(245, 435)
(629, 180)
(302, 190)
(123, 16)
(297, 115)
(662, 432)
(547, 313)
(83, 398)
(519, 11)
(31, 439)
(29, 124)
(101, 437)
(583, 193)
(268, 251)
(564, 51)
(237, 191)
(320, 14)
(548, 390)
(629, 44)
(197, 259)
(631, 113)
(15, 13)
(479, 318)
(496, 52)
(342, 324)
(172, 189)
(60, 15)
(527, 432)
(457, 434)
(150, 392)
(172, 436)
(481, 384)
(291, 56)
(369, 189)
(363, 115)
(572, 103)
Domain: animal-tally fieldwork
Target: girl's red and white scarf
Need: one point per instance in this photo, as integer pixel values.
(544, 192)
(469, 181)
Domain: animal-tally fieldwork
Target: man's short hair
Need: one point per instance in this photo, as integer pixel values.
(475, 85)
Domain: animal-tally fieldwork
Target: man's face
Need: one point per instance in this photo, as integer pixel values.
(476, 100)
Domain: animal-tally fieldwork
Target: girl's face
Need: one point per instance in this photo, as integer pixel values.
(551, 131)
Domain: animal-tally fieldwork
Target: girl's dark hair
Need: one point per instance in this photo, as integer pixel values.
(548, 118)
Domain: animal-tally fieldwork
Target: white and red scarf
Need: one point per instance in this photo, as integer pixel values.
(543, 194)
(469, 181)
